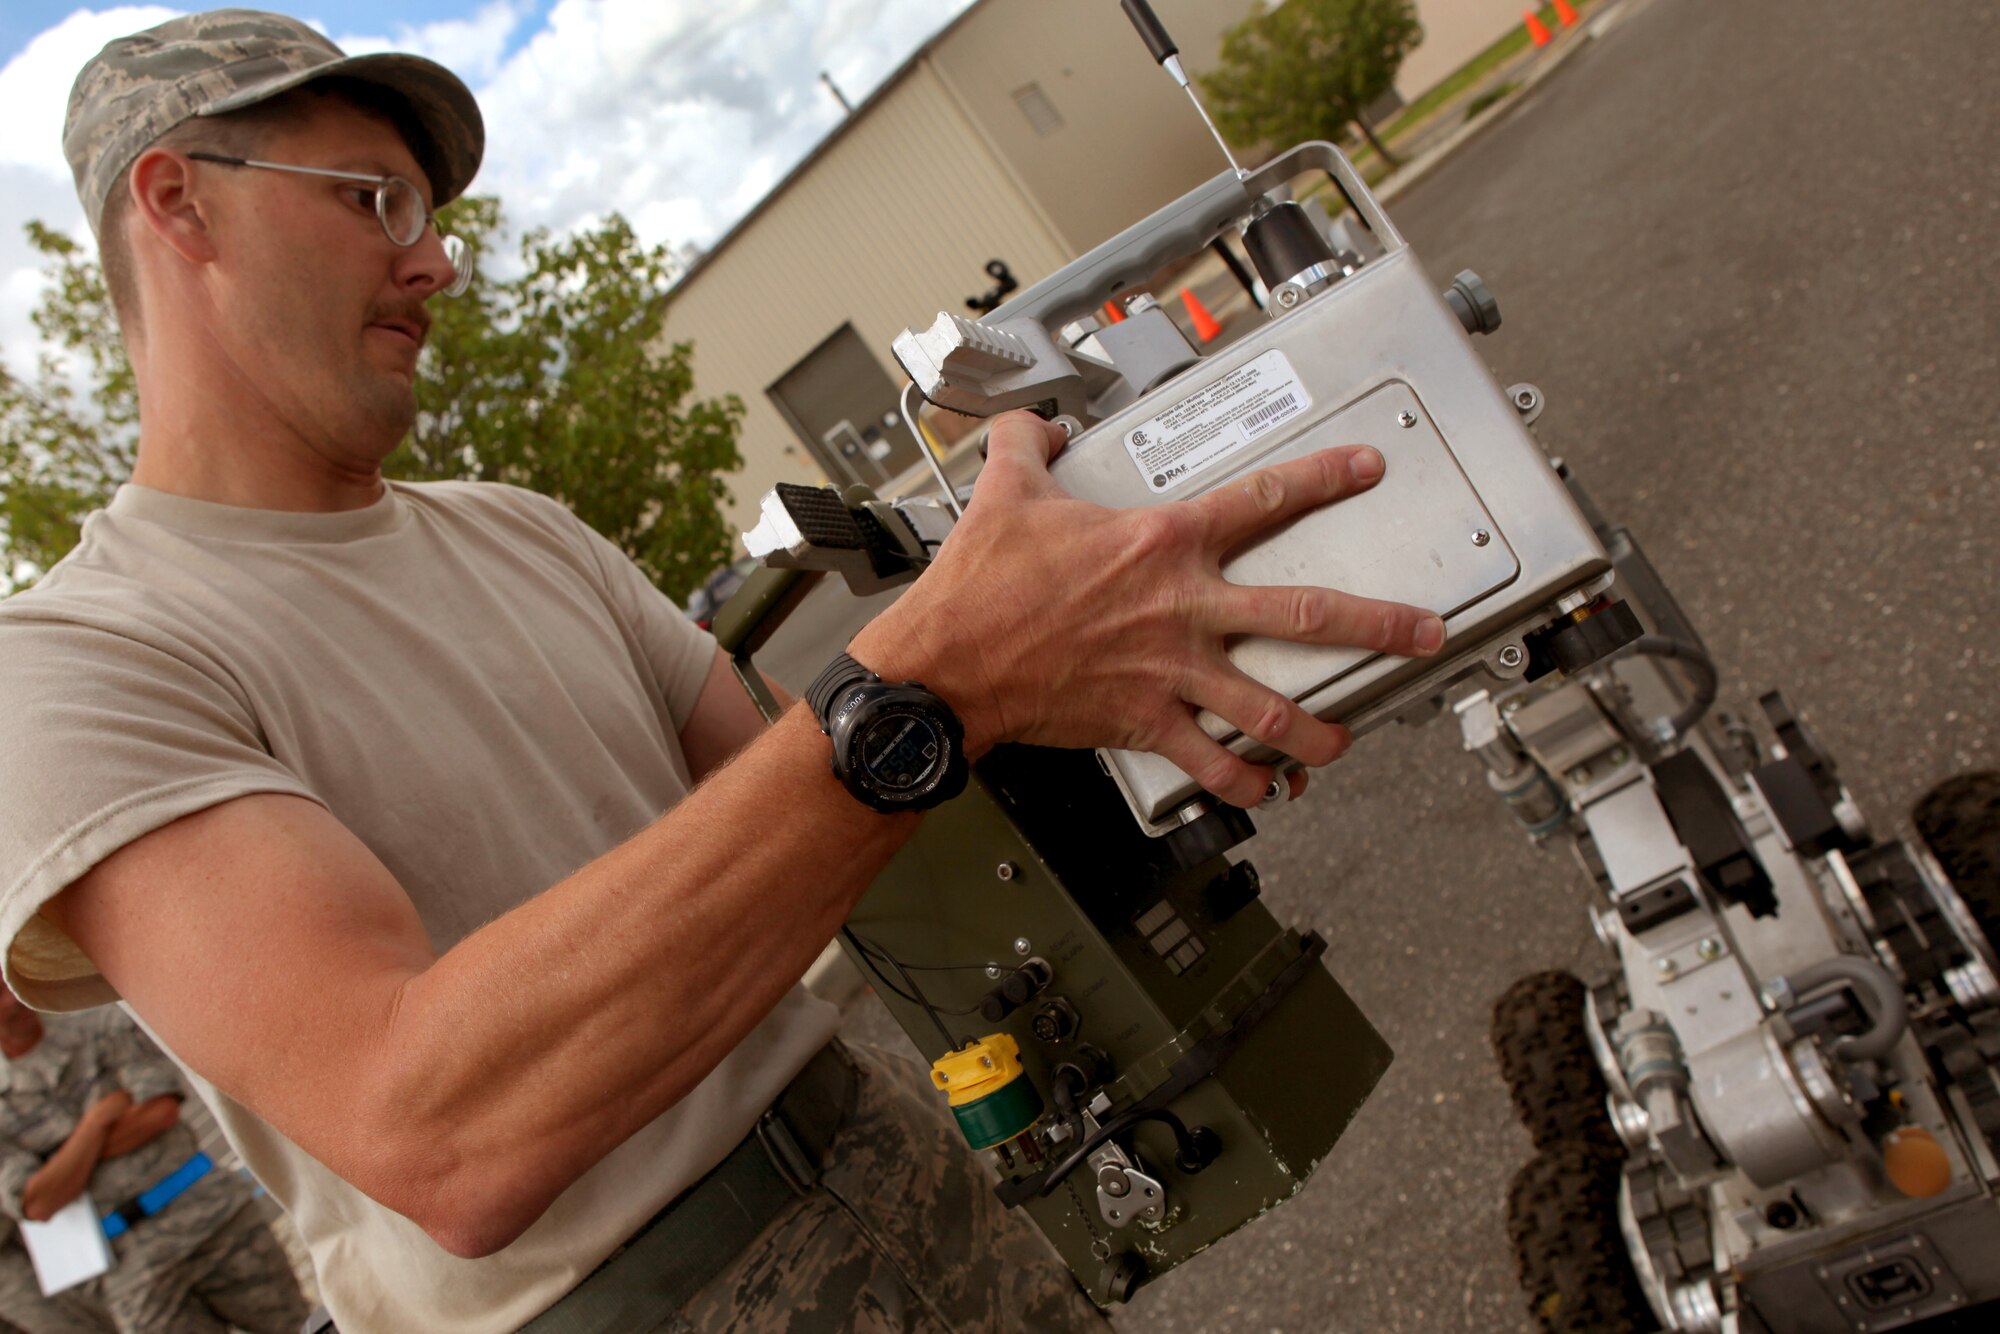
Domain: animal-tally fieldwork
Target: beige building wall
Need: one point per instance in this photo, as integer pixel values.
(1454, 32)
(893, 219)
(890, 223)
(1130, 142)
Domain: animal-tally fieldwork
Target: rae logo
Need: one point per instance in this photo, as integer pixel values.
(1160, 479)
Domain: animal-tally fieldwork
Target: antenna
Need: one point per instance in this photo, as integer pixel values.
(1162, 47)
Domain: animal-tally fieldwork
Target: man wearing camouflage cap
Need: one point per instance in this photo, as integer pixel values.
(353, 790)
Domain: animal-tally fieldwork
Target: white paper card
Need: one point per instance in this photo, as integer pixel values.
(69, 1248)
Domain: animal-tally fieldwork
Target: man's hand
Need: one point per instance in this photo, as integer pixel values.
(1104, 627)
(104, 1113)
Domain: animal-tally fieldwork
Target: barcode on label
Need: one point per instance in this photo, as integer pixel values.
(1269, 415)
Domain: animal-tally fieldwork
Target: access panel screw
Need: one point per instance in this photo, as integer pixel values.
(1007, 870)
(1480, 537)
(1406, 419)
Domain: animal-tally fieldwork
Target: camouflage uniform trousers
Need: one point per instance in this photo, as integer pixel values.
(902, 1233)
(22, 1306)
(237, 1277)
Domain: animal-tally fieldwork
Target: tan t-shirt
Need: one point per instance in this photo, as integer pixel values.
(486, 692)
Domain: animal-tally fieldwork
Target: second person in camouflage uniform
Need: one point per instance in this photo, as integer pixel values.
(90, 1104)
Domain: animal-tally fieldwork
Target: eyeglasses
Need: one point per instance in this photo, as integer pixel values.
(398, 206)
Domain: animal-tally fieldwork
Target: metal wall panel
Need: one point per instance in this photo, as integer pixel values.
(892, 223)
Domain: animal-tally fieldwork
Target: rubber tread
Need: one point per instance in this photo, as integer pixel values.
(1960, 819)
(1562, 1221)
(1546, 1062)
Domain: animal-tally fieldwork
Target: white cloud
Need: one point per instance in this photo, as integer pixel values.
(471, 47)
(680, 114)
(34, 86)
(34, 176)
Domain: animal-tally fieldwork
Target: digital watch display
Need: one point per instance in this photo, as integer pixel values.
(896, 746)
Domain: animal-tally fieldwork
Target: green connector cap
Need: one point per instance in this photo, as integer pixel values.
(1001, 1114)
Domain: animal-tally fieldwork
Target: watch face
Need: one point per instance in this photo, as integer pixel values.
(901, 750)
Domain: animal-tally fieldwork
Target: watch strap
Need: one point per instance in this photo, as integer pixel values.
(833, 679)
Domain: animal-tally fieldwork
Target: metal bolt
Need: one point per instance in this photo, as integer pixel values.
(1619, 755)
(1525, 399)
(986, 1061)
(1709, 948)
(993, 970)
(1666, 968)
(1007, 870)
(1580, 775)
(1406, 419)
(1480, 537)
(1021, 945)
(1512, 656)
(1512, 706)
(1288, 297)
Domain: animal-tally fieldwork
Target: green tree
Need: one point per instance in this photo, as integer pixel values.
(1306, 69)
(63, 449)
(554, 381)
(551, 380)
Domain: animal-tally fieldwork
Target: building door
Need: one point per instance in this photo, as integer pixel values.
(844, 409)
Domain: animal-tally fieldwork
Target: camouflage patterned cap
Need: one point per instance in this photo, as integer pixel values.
(139, 87)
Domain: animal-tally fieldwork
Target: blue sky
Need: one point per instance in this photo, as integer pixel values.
(680, 114)
(20, 20)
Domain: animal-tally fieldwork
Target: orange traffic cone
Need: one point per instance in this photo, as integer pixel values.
(1538, 32)
(1205, 327)
(1565, 14)
(1113, 315)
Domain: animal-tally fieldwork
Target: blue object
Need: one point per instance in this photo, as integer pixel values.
(157, 1196)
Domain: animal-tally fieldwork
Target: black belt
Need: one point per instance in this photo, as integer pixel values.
(709, 1224)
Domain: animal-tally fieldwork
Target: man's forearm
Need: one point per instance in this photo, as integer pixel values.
(653, 962)
(63, 1177)
(142, 1125)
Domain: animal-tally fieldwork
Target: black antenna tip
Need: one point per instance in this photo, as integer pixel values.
(1151, 30)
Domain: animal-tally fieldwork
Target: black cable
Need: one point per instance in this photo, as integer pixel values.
(915, 995)
(1701, 673)
(1183, 1142)
(877, 948)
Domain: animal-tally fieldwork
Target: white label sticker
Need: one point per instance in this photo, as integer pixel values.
(1214, 422)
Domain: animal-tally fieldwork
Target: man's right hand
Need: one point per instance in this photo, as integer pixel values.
(1052, 620)
(107, 1109)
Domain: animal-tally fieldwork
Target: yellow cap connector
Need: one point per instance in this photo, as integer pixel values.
(991, 1096)
(975, 1070)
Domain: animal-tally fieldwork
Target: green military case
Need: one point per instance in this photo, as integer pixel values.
(1160, 956)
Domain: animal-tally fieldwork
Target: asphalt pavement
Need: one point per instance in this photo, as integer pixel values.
(1749, 252)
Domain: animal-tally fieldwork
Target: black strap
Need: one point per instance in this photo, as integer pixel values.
(835, 678)
(708, 1225)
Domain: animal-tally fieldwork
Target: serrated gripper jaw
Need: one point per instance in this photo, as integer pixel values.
(982, 370)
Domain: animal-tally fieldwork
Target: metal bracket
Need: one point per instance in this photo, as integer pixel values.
(1125, 1194)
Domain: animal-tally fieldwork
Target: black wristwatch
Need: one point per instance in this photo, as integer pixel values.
(896, 746)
